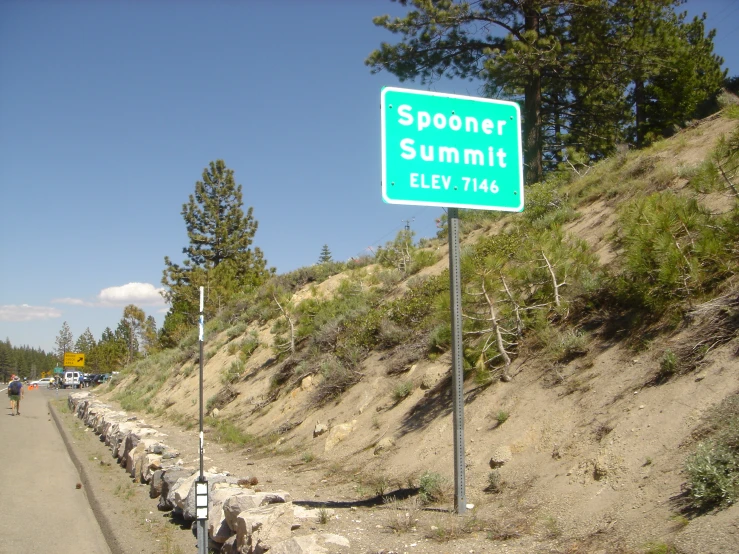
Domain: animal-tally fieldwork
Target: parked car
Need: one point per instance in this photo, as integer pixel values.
(43, 382)
(72, 379)
(101, 378)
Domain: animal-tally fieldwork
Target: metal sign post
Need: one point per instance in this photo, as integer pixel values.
(452, 151)
(201, 486)
(455, 295)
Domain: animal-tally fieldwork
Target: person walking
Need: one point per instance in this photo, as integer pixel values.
(15, 390)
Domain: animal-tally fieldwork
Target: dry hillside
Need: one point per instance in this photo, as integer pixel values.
(590, 435)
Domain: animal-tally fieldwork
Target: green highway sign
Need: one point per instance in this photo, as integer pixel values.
(58, 370)
(451, 151)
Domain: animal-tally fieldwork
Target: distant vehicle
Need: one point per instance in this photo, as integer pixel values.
(72, 379)
(43, 382)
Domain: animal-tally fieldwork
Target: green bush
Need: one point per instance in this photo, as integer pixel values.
(402, 390)
(713, 470)
(703, 178)
(214, 326)
(248, 345)
(236, 331)
(232, 373)
(546, 205)
(337, 378)
(668, 364)
(226, 432)
(432, 488)
(388, 278)
(421, 259)
(660, 548)
(674, 249)
(495, 483)
(440, 339)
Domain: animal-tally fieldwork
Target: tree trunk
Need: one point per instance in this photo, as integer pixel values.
(639, 111)
(532, 109)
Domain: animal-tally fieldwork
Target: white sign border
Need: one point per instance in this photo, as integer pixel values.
(387, 200)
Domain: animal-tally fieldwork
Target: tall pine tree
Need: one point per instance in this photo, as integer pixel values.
(515, 46)
(219, 257)
(64, 341)
(325, 256)
(588, 73)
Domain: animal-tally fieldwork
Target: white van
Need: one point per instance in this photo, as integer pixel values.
(71, 379)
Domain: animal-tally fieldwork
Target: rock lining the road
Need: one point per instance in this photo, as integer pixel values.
(242, 519)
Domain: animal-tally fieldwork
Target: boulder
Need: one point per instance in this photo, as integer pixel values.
(135, 457)
(181, 492)
(258, 529)
(151, 464)
(171, 479)
(218, 529)
(500, 457)
(338, 434)
(187, 505)
(248, 499)
(384, 444)
(238, 503)
(310, 514)
(229, 547)
(155, 484)
(311, 544)
(320, 429)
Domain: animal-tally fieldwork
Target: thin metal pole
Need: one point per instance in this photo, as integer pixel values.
(202, 530)
(202, 536)
(455, 296)
(202, 318)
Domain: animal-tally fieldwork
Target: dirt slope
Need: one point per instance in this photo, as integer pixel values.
(592, 450)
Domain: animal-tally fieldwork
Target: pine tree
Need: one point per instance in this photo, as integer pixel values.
(5, 367)
(85, 343)
(133, 321)
(516, 47)
(109, 353)
(685, 85)
(325, 256)
(149, 335)
(220, 256)
(217, 227)
(64, 341)
(589, 74)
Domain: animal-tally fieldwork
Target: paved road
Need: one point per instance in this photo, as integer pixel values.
(41, 510)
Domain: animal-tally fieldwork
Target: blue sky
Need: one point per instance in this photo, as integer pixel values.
(109, 111)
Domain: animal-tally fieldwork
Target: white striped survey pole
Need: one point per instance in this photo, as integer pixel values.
(201, 486)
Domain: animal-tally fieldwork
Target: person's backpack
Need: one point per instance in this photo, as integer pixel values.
(15, 387)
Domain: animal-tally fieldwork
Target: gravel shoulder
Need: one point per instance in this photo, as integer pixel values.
(343, 502)
(129, 519)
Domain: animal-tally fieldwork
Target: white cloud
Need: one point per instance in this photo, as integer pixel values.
(131, 293)
(24, 312)
(71, 301)
(143, 294)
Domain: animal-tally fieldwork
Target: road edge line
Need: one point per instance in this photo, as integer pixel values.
(106, 526)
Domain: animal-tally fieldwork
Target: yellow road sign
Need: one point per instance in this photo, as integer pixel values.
(74, 359)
